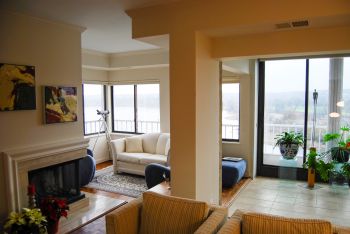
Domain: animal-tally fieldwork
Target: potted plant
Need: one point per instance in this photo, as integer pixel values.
(26, 222)
(289, 143)
(317, 163)
(339, 153)
(53, 208)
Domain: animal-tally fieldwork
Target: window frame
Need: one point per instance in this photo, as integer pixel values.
(104, 105)
(135, 108)
(239, 112)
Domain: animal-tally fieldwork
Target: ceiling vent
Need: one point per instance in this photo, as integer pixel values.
(283, 25)
(301, 23)
(293, 24)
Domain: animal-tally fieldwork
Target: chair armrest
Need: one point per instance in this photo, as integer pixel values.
(118, 146)
(340, 230)
(233, 224)
(125, 219)
(214, 222)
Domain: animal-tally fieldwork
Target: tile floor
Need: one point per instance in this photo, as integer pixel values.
(293, 199)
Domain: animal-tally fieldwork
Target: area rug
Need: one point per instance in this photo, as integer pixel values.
(125, 184)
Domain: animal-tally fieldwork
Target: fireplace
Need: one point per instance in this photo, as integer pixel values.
(60, 180)
(18, 162)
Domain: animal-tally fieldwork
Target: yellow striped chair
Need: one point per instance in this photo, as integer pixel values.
(155, 213)
(258, 223)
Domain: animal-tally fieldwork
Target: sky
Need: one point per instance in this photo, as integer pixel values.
(289, 75)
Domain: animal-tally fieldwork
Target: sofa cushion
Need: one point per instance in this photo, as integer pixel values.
(158, 212)
(153, 158)
(149, 142)
(253, 223)
(161, 144)
(133, 145)
(132, 157)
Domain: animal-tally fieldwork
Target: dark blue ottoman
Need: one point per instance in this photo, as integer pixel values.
(232, 172)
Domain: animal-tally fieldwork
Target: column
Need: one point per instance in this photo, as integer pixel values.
(194, 121)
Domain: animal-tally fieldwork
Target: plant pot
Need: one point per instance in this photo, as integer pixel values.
(289, 151)
(311, 178)
(339, 155)
(337, 178)
(52, 227)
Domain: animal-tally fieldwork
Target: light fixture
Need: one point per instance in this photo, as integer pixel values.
(340, 104)
(334, 115)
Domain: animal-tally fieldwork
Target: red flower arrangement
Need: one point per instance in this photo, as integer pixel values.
(53, 208)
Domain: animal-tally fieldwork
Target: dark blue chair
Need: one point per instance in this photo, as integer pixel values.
(87, 168)
(154, 174)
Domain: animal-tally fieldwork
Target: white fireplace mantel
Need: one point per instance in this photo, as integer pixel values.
(18, 162)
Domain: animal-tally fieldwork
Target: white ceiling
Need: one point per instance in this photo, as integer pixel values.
(108, 28)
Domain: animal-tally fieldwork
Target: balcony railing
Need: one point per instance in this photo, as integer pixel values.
(230, 131)
(142, 126)
(92, 127)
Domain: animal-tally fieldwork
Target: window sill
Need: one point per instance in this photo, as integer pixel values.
(230, 142)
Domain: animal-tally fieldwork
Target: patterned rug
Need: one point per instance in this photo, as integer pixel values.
(126, 184)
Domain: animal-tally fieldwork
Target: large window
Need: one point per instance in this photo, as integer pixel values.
(136, 108)
(286, 103)
(94, 99)
(230, 111)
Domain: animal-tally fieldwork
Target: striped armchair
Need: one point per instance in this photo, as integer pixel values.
(156, 213)
(258, 223)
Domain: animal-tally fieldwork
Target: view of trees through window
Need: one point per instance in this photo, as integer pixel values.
(285, 104)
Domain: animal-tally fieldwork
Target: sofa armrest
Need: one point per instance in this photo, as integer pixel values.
(125, 219)
(118, 146)
(214, 222)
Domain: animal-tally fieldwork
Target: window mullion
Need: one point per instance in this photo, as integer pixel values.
(306, 107)
(135, 108)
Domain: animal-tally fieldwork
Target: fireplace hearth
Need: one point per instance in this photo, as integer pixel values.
(60, 180)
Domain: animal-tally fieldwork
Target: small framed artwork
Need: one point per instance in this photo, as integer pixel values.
(17, 87)
(60, 104)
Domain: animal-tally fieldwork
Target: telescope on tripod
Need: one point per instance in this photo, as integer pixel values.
(103, 127)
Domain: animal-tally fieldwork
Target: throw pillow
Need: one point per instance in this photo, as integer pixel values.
(165, 214)
(133, 145)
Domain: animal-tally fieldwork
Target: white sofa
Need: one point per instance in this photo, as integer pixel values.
(133, 154)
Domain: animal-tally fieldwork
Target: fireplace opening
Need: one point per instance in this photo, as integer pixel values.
(60, 180)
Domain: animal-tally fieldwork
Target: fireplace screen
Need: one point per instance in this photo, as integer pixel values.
(61, 180)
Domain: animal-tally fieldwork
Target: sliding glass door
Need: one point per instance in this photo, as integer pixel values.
(292, 93)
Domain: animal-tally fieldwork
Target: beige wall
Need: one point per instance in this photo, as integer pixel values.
(140, 58)
(55, 51)
(94, 76)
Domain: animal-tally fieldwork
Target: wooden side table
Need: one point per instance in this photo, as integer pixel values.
(162, 188)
